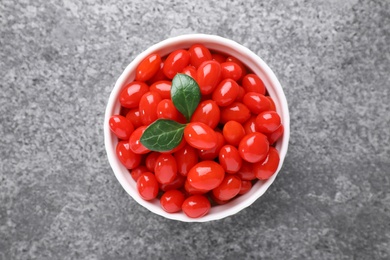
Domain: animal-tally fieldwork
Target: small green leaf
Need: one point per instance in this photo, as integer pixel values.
(185, 94)
(162, 135)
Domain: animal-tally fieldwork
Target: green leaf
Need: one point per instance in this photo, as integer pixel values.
(162, 135)
(185, 94)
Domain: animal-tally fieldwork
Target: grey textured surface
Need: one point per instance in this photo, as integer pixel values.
(59, 198)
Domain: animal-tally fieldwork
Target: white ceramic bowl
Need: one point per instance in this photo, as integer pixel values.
(252, 61)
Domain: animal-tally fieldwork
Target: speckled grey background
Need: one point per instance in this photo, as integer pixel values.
(59, 198)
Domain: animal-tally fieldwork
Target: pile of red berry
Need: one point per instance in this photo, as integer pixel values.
(197, 128)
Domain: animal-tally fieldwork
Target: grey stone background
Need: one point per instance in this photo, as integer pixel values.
(59, 198)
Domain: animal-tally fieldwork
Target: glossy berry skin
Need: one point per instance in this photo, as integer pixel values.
(245, 187)
(206, 175)
(190, 190)
(267, 122)
(199, 54)
(272, 107)
(172, 200)
(240, 95)
(148, 67)
(177, 183)
(132, 93)
(252, 83)
(196, 206)
(208, 113)
(250, 125)
(166, 109)
(127, 157)
(137, 171)
(228, 189)
(231, 70)
(177, 148)
(256, 102)
(218, 57)
(236, 111)
(162, 87)
(230, 159)
(239, 63)
(226, 92)
(211, 154)
(150, 160)
(165, 169)
(176, 62)
(121, 127)
(200, 136)
(186, 158)
(134, 117)
(233, 132)
(246, 171)
(275, 135)
(216, 200)
(264, 170)
(208, 75)
(253, 147)
(159, 75)
(190, 71)
(148, 107)
(135, 144)
(147, 186)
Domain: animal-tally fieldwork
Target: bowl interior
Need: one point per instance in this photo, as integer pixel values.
(252, 61)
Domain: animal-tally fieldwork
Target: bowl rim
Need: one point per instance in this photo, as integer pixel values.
(113, 104)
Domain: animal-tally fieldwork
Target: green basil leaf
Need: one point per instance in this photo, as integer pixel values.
(162, 135)
(185, 94)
